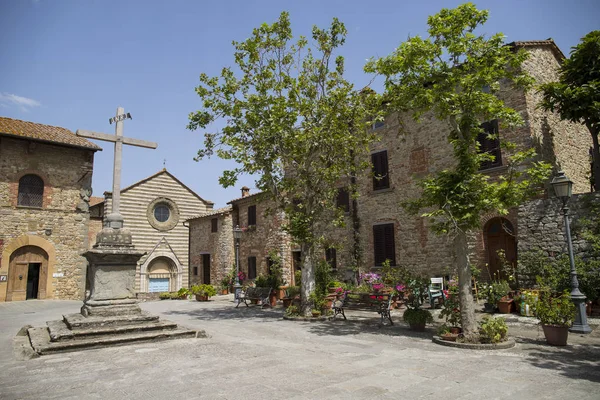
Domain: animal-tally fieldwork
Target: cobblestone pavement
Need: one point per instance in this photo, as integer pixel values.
(253, 353)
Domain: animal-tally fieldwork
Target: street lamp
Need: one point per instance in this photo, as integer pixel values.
(563, 187)
(237, 235)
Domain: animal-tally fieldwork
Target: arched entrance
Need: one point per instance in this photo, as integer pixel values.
(162, 275)
(500, 235)
(27, 274)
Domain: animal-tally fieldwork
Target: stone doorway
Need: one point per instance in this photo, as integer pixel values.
(27, 274)
(500, 235)
(162, 275)
(206, 269)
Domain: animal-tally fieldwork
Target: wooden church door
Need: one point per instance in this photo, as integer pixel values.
(27, 274)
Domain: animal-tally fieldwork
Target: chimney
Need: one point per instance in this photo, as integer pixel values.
(245, 191)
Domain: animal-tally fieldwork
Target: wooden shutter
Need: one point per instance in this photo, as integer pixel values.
(331, 258)
(490, 145)
(343, 199)
(251, 267)
(251, 215)
(384, 246)
(381, 179)
(214, 225)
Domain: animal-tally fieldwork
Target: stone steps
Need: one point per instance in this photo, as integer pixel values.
(42, 344)
(59, 330)
(78, 321)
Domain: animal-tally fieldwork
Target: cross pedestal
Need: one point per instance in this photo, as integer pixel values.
(113, 259)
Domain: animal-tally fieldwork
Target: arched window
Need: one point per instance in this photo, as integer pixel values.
(31, 191)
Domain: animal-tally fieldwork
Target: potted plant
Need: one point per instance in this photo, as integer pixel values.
(183, 293)
(556, 314)
(505, 305)
(333, 285)
(164, 296)
(203, 292)
(290, 294)
(315, 313)
(417, 318)
(492, 330)
(445, 334)
(528, 299)
(451, 308)
(225, 282)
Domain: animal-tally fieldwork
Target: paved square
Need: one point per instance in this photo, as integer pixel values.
(253, 353)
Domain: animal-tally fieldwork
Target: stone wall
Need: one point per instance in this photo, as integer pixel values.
(218, 244)
(541, 225)
(265, 236)
(61, 225)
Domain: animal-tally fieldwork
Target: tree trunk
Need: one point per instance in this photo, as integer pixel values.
(467, 309)
(308, 278)
(596, 162)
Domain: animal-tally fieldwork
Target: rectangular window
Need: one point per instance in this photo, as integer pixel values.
(343, 199)
(331, 258)
(214, 224)
(196, 271)
(384, 246)
(490, 145)
(251, 215)
(381, 178)
(251, 267)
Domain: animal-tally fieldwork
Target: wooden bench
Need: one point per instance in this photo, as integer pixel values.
(378, 302)
(255, 293)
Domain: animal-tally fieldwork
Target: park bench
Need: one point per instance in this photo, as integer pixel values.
(378, 302)
(255, 293)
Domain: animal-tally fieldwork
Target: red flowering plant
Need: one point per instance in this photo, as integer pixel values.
(451, 308)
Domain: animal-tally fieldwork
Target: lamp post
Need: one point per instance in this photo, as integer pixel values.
(563, 187)
(237, 235)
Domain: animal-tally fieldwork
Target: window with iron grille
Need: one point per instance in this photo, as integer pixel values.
(213, 225)
(251, 215)
(343, 199)
(381, 178)
(251, 267)
(331, 258)
(489, 142)
(31, 191)
(383, 244)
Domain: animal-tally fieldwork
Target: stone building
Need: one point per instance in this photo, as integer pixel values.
(212, 246)
(45, 188)
(378, 228)
(154, 210)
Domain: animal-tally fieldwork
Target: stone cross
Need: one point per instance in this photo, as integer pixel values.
(114, 219)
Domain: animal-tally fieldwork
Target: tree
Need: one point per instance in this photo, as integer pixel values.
(453, 75)
(292, 119)
(576, 96)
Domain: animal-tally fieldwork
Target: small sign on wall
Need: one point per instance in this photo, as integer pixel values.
(3, 278)
(58, 275)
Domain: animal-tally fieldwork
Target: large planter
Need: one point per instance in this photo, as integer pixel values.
(449, 337)
(417, 327)
(556, 335)
(224, 291)
(201, 297)
(506, 306)
(489, 308)
(273, 299)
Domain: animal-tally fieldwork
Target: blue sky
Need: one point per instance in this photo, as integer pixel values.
(71, 63)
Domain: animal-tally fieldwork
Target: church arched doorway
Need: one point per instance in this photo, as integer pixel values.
(27, 274)
(162, 275)
(500, 235)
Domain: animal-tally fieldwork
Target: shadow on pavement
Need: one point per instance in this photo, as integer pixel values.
(576, 362)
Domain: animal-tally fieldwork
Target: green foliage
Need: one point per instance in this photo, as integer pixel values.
(416, 316)
(174, 295)
(335, 284)
(275, 277)
(493, 330)
(204, 290)
(451, 308)
(262, 281)
(323, 276)
(555, 310)
(164, 296)
(443, 329)
(292, 311)
(576, 95)
(317, 300)
(493, 292)
(292, 291)
(183, 292)
(298, 278)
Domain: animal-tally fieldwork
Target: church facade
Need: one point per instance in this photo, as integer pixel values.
(154, 210)
(45, 188)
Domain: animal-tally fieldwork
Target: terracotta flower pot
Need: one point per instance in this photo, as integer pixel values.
(273, 299)
(505, 306)
(200, 297)
(556, 335)
(450, 337)
(455, 330)
(286, 302)
(224, 291)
